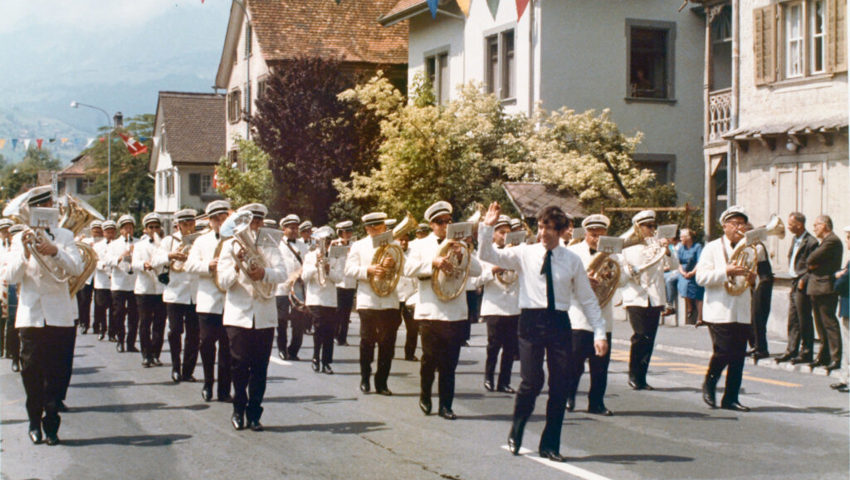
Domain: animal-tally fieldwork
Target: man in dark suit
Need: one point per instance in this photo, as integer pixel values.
(800, 327)
(822, 264)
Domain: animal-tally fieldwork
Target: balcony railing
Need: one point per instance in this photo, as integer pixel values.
(719, 114)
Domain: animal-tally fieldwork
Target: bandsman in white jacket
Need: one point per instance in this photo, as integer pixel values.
(293, 250)
(149, 290)
(119, 260)
(44, 319)
(102, 283)
(84, 295)
(347, 287)
(250, 319)
(321, 301)
(728, 317)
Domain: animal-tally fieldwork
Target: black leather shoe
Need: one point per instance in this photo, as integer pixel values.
(647, 386)
(364, 386)
(225, 399)
(515, 435)
(601, 410)
(282, 356)
(175, 376)
(634, 385)
(571, 404)
(553, 456)
(294, 358)
(833, 366)
(52, 439)
(735, 406)
(100, 337)
(315, 365)
(506, 389)
(843, 388)
(206, 394)
(709, 393)
(411, 358)
(84, 330)
(16, 365)
(255, 425)
(801, 359)
(188, 378)
(327, 369)
(132, 349)
(146, 362)
(238, 421)
(35, 435)
(61, 407)
(447, 413)
(156, 362)
(425, 405)
(785, 357)
(758, 356)
(119, 347)
(384, 391)
(488, 385)
(836, 386)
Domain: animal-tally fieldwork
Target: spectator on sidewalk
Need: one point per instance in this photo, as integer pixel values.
(842, 286)
(671, 278)
(688, 254)
(800, 328)
(822, 264)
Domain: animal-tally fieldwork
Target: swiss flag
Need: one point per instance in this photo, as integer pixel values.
(133, 146)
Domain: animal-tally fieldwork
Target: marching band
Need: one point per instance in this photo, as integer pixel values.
(224, 290)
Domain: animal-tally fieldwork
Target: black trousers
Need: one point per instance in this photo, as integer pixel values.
(829, 332)
(287, 315)
(324, 328)
(760, 313)
(729, 344)
(501, 335)
(473, 308)
(12, 339)
(344, 304)
(124, 305)
(84, 306)
(69, 364)
(102, 304)
(44, 370)
(249, 349)
(152, 316)
(583, 350)
(801, 331)
(182, 317)
(544, 334)
(644, 321)
(441, 342)
(411, 327)
(212, 332)
(378, 327)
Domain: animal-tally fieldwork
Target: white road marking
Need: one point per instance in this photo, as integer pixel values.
(563, 467)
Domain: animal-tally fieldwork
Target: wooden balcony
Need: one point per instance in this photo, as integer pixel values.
(719, 110)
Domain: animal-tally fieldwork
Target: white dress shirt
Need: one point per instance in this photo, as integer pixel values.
(41, 299)
(568, 274)
(147, 282)
(318, 295)
(290, 262)
(577, 316)
(356, 265)
(498, 299)
(242, 307)
(122, 279)
(719, 306)
(419, 265)
(182, 286)
(208, 298)
(647, 289)
(102, 272)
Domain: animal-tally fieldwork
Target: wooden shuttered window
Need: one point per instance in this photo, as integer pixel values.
(836, 45)
(764, 44)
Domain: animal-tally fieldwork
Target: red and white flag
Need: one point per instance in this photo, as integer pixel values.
(134, 146)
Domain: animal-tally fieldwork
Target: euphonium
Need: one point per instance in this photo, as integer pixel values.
(323, 242)
(606, 271)
(743, 256)
(35, 235)
(77, 215)
(251, 257)
(391, 257)
(653, 251)
(183, 247)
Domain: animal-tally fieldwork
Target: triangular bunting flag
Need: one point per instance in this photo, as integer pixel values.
(432, 4)
(27, 143)
(101, 139)
(39, 141)
(51, 140)
(2, 143)
(64, 140)
(520, 8)
(133, 146)
(464, 6)
(89, 142)
(494, 7)
(14, 143)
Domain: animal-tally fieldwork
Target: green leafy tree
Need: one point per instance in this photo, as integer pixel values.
(18, 177)
(250, 184)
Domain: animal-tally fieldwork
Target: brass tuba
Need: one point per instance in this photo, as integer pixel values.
(606, 271)
(745, 254)
(391, 257)
(251, 257)
(77, 215)
(323, 241)
(449, 285)
(653, 252)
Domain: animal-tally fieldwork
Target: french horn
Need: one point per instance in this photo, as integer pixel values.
(391, 258)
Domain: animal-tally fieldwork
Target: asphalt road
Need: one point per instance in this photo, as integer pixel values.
(128, 422)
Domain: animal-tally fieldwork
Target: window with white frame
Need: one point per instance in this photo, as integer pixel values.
(437, 72)
(793, 40)
(500, 64)
(817, 36)
(234, 107)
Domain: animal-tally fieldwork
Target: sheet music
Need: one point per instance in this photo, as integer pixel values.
(459, 231)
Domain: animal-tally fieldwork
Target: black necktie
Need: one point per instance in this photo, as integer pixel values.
(217, 236)
(593, 251)
(290, 240)
(550, 284)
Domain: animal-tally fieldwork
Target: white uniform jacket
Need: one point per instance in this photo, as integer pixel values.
(41, 299)
(182, 286)
(241, 307)
(719, 306)
(90, 241)
(208, 298)
(358, 261)
(577, 317)
(406, 288)
(568, 274)
(290, 262)
(318, 295)
(347, 282)
(146, 280)
(419, 265)
(498, 299)
(122, 279)
(102, 272)
(647, 289)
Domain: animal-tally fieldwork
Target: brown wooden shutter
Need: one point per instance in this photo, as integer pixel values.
(764, 44)
(836, 38)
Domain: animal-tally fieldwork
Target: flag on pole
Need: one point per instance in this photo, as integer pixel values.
(520, 8)
(464, 6)
(432, 4)
(135, 147)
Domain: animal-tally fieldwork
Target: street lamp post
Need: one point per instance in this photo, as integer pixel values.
(117, 120)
